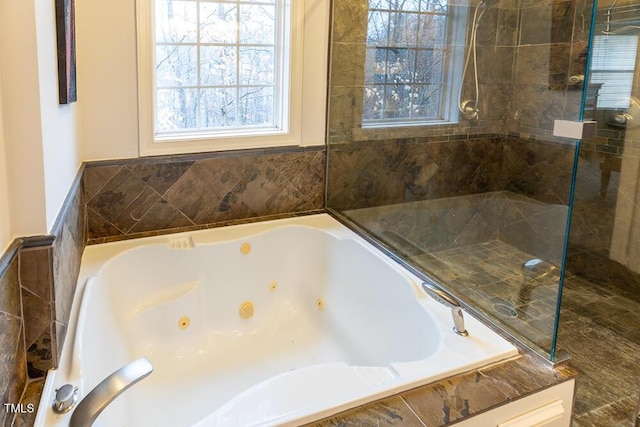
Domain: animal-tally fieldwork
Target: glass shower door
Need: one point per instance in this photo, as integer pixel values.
(441, 145)
(600, 299)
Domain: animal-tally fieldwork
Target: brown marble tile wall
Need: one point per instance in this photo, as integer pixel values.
(526, 52)
(405, 170)
(427, 226)
(497, 37)
(416, 228)
(134, 198)
(552, 46)
(422, 195)
(377, 173)
(49, 268)
(13, 371)
(70, 233)
(36, 279)
(524, 66)
(347, 75)
(539, 169)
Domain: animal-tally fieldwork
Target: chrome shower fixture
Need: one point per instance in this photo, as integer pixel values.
(469, 107)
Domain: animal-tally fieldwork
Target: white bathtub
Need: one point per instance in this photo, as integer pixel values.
(335, 324)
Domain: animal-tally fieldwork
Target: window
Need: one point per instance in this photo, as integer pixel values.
(613, 65)
(408, 65)
(223, 74)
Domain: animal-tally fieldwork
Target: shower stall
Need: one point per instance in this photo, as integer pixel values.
(441, 144)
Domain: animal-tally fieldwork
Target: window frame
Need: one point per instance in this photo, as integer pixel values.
(302, 125)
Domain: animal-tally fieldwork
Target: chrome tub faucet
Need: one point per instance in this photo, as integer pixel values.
(448, 300)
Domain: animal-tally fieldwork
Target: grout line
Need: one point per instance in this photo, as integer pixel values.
(412, 411)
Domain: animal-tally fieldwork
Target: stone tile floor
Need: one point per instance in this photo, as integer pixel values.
(598, 327)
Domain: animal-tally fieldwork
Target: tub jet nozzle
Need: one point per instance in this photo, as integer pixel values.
(448, 300)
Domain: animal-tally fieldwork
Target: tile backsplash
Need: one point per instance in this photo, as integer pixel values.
(417, 169)
(48, 272)
(135, 198)
(13, 376)
(36, 278)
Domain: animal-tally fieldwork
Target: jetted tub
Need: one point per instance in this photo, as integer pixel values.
(270, 323)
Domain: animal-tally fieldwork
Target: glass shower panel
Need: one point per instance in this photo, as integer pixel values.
(604, 244)
(601, 295)
(441, 146)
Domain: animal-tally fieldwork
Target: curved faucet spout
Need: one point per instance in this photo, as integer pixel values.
(448, 300)
(104, 393)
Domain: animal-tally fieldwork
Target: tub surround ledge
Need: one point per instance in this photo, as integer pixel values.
(459, 397)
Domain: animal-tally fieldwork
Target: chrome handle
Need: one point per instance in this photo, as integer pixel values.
(66, 398)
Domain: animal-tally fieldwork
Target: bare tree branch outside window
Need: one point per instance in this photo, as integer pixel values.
(215, 64)
(405, 63)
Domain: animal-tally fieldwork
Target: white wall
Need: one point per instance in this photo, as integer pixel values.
(21, 117)
(41, 151)
(60, 150)
(316, 26)
(6, 231)
(107, 86)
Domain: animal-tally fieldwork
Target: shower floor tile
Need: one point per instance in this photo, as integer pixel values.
(490, 275)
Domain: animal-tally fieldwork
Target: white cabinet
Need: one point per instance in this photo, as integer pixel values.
(548, 408)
